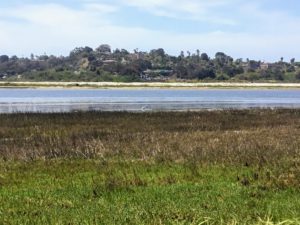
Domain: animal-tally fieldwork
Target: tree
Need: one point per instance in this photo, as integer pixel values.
(43, 57)
(104, 49)
(14, 58)
(158, 52)
(130, 71)
(298, 75)
(77, 51)
(124, 52)
(265, 74)
(239, 61)
(231, 70)
(81, 52)
(292, 60)
(181, 71)
(221, 58)
(290, 68)
(4, 58)
(222, 77)
(141, 65)
(136, 51)
(203, 73)
(117, 51)
(181, 54)
(88, 49)
(253, 65)
(204, 57)
(220, 55)
(278, 74)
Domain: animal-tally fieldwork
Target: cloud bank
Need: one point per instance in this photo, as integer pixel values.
(252, 31)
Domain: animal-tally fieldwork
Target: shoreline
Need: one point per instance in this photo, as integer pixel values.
(4, 84)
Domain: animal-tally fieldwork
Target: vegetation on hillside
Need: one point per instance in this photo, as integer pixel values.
(220, 167)
(119, 65)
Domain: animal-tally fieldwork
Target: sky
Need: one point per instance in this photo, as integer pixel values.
(258, 29)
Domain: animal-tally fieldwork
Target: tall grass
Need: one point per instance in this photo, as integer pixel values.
(255, 137)
(218, 167)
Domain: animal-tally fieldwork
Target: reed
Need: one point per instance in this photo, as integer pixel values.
(233, 137)
(207, 167)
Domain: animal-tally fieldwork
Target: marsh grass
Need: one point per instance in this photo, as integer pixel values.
(227, 137)
(218, 167)
(93, 192)
(258, 139)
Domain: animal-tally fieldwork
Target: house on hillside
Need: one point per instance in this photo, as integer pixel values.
(264, 66)
(109, 61)
(3, 75)
(136, 56)
(158, 74)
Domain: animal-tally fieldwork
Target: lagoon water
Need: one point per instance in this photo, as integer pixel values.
(68, 100)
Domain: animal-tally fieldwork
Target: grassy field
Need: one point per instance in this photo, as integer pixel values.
(219, 167)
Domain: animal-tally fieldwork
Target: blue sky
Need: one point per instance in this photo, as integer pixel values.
(257, 29)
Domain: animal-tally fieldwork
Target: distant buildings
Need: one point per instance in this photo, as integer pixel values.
(254, 65)
(109, 61)
(3, 75)
(264, 66)
(158, 74)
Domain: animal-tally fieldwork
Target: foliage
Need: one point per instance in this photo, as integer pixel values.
(105, 64)
(298, 75)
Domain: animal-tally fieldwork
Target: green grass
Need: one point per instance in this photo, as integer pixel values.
(99, 192)
(220, 167)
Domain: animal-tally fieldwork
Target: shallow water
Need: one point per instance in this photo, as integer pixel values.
(68, 100)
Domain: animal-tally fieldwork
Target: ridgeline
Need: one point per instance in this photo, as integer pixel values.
(104, 64)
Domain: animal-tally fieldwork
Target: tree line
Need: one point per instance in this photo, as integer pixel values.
(105, 64)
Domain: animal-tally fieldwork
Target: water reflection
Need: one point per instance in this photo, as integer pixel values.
(64, 100)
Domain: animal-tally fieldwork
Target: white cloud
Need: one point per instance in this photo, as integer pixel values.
(57, 29)
(51, 27)
(56, 15)
(200, 10)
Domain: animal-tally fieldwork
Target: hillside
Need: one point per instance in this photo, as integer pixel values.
(119, 65)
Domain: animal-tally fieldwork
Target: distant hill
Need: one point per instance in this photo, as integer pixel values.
(120, 65)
